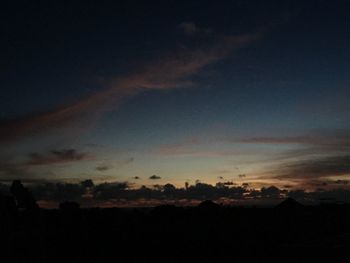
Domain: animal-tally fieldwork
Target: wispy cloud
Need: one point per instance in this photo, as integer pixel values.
(107, 166)
(318, 142)
(155, 177)
(316, 168)
(26, 170)
(166, 73)
(339, 138)
(102, 168)
(56, 156)
(320, 155)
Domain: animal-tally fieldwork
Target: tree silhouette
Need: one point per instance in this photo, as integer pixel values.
(24, 198)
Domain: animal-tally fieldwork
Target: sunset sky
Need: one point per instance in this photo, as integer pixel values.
(156, 92)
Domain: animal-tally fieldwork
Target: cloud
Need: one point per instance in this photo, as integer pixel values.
(316, 168)
(319, 155)
(154, 177)
(241, 175)
(136, 178)
(316, 142)
(27, 170)
(56, 156)
(329, 139)
(102, 168)
(169, 72)
(119, 164)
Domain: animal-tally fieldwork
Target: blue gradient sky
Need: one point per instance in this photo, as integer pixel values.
(253, 109)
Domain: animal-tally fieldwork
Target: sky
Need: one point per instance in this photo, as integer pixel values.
(155, 92)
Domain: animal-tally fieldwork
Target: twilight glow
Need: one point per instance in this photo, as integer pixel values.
(138, 97)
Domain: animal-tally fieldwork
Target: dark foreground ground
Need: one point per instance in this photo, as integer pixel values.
(207, 233)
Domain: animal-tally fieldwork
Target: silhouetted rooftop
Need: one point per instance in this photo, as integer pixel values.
(289, 203)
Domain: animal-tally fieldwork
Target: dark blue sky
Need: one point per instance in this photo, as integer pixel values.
(183, 89)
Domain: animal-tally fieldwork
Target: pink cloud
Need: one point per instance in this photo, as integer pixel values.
(170, 72)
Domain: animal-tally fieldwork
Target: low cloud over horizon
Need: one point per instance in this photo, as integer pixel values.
(124, 194)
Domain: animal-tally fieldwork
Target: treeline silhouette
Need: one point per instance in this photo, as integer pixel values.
(209, 232)
(123, 193)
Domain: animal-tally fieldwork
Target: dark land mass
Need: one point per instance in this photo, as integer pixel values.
(289, 232)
